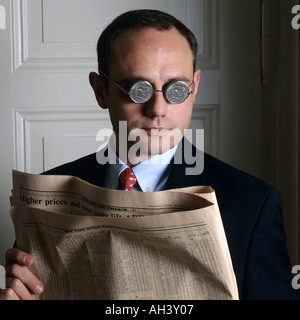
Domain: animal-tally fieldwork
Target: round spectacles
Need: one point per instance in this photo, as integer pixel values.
(142, 91)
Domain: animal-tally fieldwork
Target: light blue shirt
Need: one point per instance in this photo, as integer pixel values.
(151, 174)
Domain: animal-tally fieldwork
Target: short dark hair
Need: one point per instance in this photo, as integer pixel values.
(139, 19)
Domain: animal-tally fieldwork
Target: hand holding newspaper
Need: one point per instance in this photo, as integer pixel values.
(94, 243)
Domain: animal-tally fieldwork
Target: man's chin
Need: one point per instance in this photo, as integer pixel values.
(142, 145)
(143, 150)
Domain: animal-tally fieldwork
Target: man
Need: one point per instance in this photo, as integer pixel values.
(150, 51)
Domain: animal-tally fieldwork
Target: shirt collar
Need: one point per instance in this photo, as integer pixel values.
(151, 174)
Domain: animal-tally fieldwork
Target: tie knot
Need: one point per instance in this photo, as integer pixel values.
(127, 179)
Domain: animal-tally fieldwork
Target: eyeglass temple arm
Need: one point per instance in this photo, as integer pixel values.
(107, 77)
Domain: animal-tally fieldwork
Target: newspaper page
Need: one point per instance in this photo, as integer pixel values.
(94, 243)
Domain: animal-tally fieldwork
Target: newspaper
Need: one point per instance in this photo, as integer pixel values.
(95, 243)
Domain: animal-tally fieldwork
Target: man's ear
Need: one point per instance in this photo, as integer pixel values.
(197, 74)
(98, 85)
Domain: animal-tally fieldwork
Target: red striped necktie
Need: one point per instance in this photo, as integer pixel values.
(127, 179)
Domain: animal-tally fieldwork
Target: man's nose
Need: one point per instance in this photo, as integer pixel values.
(157, 106)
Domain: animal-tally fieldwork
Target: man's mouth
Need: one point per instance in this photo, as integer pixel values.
(157, 131)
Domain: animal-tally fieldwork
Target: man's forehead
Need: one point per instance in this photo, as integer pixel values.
(151, 45)
(140, 36)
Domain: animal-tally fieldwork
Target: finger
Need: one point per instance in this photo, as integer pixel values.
(18, 256)
(8, 294)
(19, 289)
(22, 273)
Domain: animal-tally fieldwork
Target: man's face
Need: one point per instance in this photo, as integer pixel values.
(158, 57)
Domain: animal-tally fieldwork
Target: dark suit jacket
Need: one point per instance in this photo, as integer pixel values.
(252, 218)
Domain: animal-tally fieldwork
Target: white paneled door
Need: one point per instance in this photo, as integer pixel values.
(48, 111)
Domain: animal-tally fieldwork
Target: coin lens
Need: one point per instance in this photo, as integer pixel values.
(177, 92)
(141, 92)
